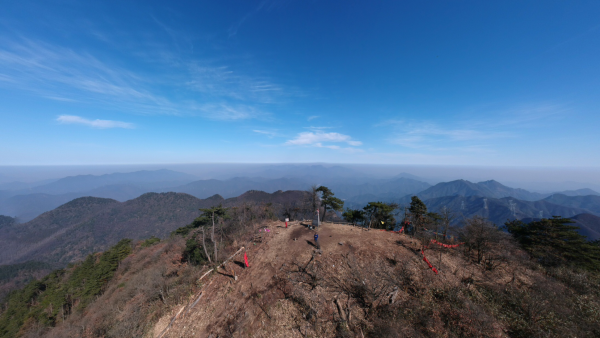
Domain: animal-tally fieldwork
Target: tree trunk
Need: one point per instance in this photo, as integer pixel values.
(204, 246)
(214, 239)
(324, 212)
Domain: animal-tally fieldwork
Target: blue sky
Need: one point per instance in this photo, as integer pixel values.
(394, 82)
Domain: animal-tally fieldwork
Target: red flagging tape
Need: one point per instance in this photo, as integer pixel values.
(428, 263)
(446, 245)
(246, 260)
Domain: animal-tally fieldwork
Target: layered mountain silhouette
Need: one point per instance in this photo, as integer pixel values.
(144, 178)
(28, 204)
(499, 210)
(490, 189)
(351, 186)
(579, 192)
(90, 224)
(590, 203)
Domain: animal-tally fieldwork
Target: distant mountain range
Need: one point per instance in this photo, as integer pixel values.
(490, 189)
(90, 224)
(499, 210)
(351, 186)
(29, 203)
(81, 225)
(590, 202)
(144, 178)
(26, 204)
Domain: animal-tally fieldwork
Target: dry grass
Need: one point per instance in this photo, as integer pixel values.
(375, 284)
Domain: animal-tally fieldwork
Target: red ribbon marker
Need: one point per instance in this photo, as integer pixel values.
(246, 260)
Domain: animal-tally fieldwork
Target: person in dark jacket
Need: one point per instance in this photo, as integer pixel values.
(317, 241)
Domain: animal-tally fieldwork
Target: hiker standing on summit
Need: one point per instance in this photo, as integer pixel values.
(317, 241)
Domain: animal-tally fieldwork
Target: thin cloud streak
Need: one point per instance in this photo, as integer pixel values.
(319, 139)
(98, 124)
(270, 134)
(58, 73)
(430, 136)
(53, 71)
(221, 81)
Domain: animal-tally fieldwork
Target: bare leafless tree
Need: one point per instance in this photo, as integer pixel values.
(479, 236)
(447, 217)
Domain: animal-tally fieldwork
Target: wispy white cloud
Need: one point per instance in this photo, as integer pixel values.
(227, 112)
(417, 135)
(53, 71)
(221, 81)
(99, 124)
(59, 73)
(524, 116)
(57, 98)
(434, 136)
(268, 133)
(318, 138)
(310, 118)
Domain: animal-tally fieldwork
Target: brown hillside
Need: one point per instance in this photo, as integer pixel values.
(362, 284)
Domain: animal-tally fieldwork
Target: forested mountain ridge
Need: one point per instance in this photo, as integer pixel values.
(490, 188)
(499, 210)
(89, 224)
(20, 240)
(590, 203)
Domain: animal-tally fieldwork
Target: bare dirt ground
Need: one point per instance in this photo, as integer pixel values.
(260, 302)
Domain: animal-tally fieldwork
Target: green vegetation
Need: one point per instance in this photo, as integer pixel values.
(380, 215)
(418, 209)
(51, 299)
(194, 253)
(205, 219)
(7, 221)
(8, 272)
(329, 202)
(552, 242)
(354, 216)
(150, 241)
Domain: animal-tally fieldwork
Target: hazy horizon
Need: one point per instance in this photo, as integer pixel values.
(538, 179)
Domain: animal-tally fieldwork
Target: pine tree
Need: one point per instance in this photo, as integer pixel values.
(380, 215)
(329, 202)
(554, 242)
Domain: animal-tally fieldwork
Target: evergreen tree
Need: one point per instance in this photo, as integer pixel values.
(418, 209)
(380, 215)
(329, 202)
(554, 242)
(55, 296)
(354, 216)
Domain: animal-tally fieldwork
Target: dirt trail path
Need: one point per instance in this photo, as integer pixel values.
(240, 306)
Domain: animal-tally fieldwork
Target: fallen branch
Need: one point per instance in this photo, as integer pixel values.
(194, 304)
(171, 323)
(199, 296)
(204, 275)
(228, 259)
